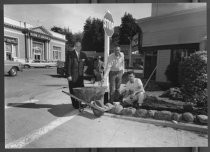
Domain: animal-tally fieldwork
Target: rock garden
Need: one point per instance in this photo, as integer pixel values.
(185, 101)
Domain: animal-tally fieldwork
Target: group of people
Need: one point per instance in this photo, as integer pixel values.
(131, 95)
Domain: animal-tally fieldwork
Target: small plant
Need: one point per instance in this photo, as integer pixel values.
(173, 93)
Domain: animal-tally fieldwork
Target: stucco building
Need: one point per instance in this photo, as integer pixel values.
(24, 42)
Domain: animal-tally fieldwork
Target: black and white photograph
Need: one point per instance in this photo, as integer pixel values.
(105, 75)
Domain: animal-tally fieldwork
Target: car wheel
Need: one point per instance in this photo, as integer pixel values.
(13, 71)
(27, 66)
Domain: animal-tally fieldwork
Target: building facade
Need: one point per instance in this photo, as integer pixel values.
(171, 36)
(24, 43)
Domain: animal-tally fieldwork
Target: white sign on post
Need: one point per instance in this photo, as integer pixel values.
(108, 24)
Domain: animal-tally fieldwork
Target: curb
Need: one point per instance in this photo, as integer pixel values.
(183, 126)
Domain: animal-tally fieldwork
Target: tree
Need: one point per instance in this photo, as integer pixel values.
(93, 35)
(128, 29)
(57, 30)
(116, 36)
(70, 37)
(87, 36)
(78, 37)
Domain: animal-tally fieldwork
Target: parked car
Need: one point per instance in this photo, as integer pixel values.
(61, 70)
(12, 67)
(40, 64)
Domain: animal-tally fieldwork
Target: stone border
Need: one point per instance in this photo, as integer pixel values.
(179, 125)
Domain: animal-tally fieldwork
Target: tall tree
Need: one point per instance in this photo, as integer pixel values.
(116, 36)
(128, 29)
(69, 36)
(93, 35)
(57, 30)
(87, 36)
(78, 36)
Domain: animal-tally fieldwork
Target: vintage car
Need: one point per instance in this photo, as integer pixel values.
(12, 67)
(39, 64)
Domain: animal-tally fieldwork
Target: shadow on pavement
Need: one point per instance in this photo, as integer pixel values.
(7, 75)
(55, 76)
(55, 85)
(60, 110)
(88, 115)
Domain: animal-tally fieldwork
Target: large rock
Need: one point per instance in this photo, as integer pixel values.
(151, 113)
(117, 109)
(163, 115)
(109, 106)
(177, 117)
(128, 111)
(141, 113)
(188, 117)
(202, 119)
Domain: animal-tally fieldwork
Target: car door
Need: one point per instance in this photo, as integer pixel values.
(7, 66)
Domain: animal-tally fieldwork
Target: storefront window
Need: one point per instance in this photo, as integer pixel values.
(8, 51)
(11, 47)
(56, 53)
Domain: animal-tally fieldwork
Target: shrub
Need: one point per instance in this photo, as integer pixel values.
(193, 78)
(172, 73)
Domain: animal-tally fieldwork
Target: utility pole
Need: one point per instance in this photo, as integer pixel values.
(130, 52)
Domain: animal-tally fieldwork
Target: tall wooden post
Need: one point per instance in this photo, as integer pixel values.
(106, 54)
(108, 24)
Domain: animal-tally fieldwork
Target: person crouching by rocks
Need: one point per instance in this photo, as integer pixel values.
(134, 93)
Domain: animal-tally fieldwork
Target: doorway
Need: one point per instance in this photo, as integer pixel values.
(37, 57)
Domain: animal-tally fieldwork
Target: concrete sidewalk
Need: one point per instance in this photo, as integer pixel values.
(85, 130)
(109, 131)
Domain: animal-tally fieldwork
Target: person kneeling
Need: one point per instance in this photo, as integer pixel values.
(133, 94)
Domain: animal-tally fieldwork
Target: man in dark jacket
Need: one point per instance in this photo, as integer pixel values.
(75, 70)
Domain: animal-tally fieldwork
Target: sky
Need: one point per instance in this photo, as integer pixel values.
(72, 15)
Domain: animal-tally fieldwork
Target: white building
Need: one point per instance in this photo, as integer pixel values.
(24, 42)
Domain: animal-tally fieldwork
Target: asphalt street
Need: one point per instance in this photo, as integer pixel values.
(39, 115)
(32, 82)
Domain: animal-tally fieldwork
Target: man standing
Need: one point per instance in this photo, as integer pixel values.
(133, 94)
(115, 68)
(75, 70)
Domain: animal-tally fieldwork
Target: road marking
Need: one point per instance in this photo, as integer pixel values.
(23, 141)
(21, 103)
